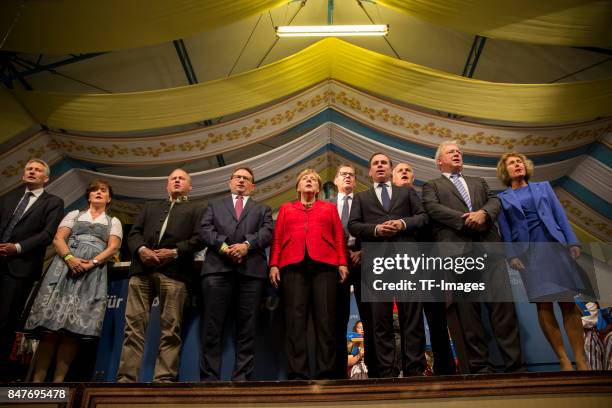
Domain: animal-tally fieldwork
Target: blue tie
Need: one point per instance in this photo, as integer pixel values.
(384, 196)
(466, 197)
(17, 214)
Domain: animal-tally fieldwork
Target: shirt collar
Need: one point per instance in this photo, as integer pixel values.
(180, 199)
(448, 175)
(341, 196)
(388, 183)
(36, 192)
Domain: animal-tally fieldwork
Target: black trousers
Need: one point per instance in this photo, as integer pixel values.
(13, 297)
(310, 288)
(444, 363)
(412, 332)
(221, 293)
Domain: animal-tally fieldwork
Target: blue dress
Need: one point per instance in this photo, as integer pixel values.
(70, 305)
(550, 272)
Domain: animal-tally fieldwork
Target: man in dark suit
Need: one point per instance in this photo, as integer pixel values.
(463, 211)
(236, 229)
(345, 181)
(387, 213)
(435, 312)
(162, 241)
(28, 223)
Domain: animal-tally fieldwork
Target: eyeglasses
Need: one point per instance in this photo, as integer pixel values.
(346, 174)
(239, 177)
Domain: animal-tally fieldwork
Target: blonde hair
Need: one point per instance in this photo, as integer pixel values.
(502, 171)
(305, 172)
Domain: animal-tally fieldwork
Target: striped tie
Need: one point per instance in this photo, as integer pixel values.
(466, 197)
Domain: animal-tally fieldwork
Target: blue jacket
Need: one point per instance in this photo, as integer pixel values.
(513, 224)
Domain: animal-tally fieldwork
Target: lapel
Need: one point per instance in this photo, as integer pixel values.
(449, 184)
(39, 201)
(229, 205)
(511, 197)
(11, 204)
(395, 192)
(375, 200)
(536, 193)
(473, 185)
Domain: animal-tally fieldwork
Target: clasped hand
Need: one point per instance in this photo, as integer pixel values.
(389, 228)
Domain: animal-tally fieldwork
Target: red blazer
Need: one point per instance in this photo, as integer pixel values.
(318, 229)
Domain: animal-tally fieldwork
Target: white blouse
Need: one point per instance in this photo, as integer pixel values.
(71, 217)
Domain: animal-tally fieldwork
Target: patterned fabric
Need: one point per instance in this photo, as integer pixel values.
(74, 304)
(464, 194)
(17, 214)
(384, 196)
(239, 206)
(594, 349)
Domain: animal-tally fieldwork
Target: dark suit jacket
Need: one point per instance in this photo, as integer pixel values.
(220, 225)
(34, 231)
(317, 230)
(513, 223)
(445, 206)
(367, 212)
(357, 245)
(181, 233)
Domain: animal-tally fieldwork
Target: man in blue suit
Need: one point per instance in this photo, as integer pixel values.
(236, 229)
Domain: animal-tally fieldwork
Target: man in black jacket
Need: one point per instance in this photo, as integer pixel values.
(388, 214)
(162, 241)
(28, 222)
(236, 229)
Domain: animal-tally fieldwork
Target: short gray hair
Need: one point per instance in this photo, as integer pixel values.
(444, 143)
(41, 161)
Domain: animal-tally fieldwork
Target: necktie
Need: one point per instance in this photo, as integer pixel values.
(17, 214)
(239, 206)
(345, 215)
(466, 197)
(384, 196)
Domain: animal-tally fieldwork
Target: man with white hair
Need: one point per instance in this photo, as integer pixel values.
(462, 210)
(28, 222)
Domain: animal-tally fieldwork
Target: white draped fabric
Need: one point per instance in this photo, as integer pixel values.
(70, 186)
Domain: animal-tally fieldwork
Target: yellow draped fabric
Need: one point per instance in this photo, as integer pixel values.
(557, 22)
(76, 26)
(13, 118)
(328, 58)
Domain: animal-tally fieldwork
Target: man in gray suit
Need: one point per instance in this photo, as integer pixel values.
(236, 229)
(462, 211)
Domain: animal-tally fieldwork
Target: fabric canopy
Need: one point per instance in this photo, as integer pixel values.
(328, 58)
(13, 118)
(77, 26)
(556, 22)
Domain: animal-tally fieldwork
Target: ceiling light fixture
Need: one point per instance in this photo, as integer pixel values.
(333, 30)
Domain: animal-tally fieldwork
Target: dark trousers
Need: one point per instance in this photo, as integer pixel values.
(221, 293)
(412, 332)
(343, 311)
(13, 297)
(365, 314)
(310, 287)
(444, 363)
(502, 316)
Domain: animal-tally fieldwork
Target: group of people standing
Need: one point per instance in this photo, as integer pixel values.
(315, 257)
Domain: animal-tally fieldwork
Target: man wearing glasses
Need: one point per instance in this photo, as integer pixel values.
(236, 229)
(345, 182)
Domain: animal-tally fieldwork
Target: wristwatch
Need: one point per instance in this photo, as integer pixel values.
(175, 253)
(95, 261)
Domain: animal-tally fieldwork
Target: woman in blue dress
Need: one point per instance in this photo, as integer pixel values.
(531, 213)
(71, 301)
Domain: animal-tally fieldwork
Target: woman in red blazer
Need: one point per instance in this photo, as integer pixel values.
(309, 257)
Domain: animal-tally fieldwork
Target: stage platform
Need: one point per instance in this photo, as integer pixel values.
(529, 390)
